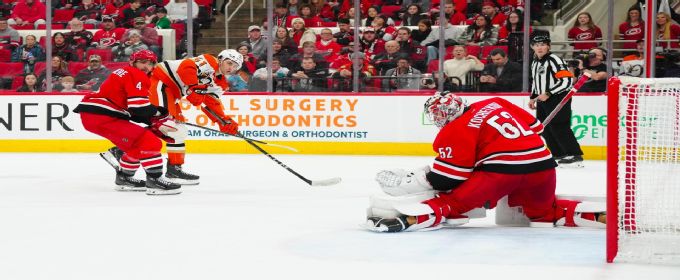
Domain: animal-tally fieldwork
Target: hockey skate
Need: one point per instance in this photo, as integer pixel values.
(176, 175)
(571, 162)
(160, 186)
(112, 157)
(127, 183)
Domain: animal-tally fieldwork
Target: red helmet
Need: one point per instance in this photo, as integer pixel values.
(144, 54)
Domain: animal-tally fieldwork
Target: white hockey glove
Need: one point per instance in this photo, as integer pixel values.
(397, 182)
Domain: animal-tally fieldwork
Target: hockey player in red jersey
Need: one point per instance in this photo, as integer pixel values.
(486, 151)
(123, 98)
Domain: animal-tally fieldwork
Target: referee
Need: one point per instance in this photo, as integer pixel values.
(551, 82)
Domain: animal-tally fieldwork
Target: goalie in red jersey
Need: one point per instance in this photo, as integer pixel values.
(123, 98)
(486, 151)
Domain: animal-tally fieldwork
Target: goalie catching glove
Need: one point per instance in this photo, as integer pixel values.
(397, 182)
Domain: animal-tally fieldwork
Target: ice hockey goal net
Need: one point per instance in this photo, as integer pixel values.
(643, 170)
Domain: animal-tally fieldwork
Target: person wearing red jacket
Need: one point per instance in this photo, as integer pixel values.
(121, 100)
(28, 12)
(490, 9)
(115, 9)
(322, 9)
(325, 46)
(109, 36)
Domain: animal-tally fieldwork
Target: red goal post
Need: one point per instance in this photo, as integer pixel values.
(643, 170)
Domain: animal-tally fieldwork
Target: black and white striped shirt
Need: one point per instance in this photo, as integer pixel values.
(550, 73)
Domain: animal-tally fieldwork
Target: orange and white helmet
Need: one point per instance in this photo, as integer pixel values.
(444, 107)
(232, 55)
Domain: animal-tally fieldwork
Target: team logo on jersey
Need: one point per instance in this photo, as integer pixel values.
(541, 70)
(633, 31)
(584, 36)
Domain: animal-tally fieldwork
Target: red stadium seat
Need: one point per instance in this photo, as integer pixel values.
(205, 3)
(41, 41)
(11, 69)
(22, 27)
(390, 10)
(329, 24)
(5, 55)
(433, 66)
(474, 50)
(88, 25)
(75, 67)
(63, 16)
(105, 54)
(17, 82)
(54, 26)
(180, 29)
(39, 68)
(486, 50)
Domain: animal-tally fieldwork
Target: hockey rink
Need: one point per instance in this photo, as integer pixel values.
(251, 219)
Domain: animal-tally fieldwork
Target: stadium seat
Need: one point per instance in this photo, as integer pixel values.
(180, 30)
(41, 41)
(105, 54)
(390, 10)
(88, 26)
(474, 50)
(11, 69)
(39, 68)
(5, 55)
(206, 3)
(486, 50)
(433, 66)
(329, 24)
(17, 81)
(22, 27)
(75, 67)
(63, 16)
(54, 26)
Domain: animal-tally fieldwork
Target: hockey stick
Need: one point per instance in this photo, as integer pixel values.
(582, 80)
(244, 138)
(326, 182)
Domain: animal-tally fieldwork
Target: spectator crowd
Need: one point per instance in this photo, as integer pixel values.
(399, 48)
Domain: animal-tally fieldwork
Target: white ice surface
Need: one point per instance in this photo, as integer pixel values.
(250, 219)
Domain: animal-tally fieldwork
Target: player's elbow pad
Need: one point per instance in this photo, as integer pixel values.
(442, 183)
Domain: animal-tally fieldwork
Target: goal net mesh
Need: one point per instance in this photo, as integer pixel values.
(649, 171)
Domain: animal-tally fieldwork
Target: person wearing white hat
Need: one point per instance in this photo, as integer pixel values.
(258, 43)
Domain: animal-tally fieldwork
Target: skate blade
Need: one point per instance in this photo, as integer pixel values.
(571, 165)
(111, 160)
(183, 182)
(129, 189)
(162, 192)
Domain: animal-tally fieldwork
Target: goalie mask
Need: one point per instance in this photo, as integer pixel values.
(443, 108)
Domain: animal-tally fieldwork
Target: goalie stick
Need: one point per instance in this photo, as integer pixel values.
(244, 138)
(582, 80)
(325, 182)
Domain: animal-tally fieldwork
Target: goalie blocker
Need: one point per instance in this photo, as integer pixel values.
(487, 150)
